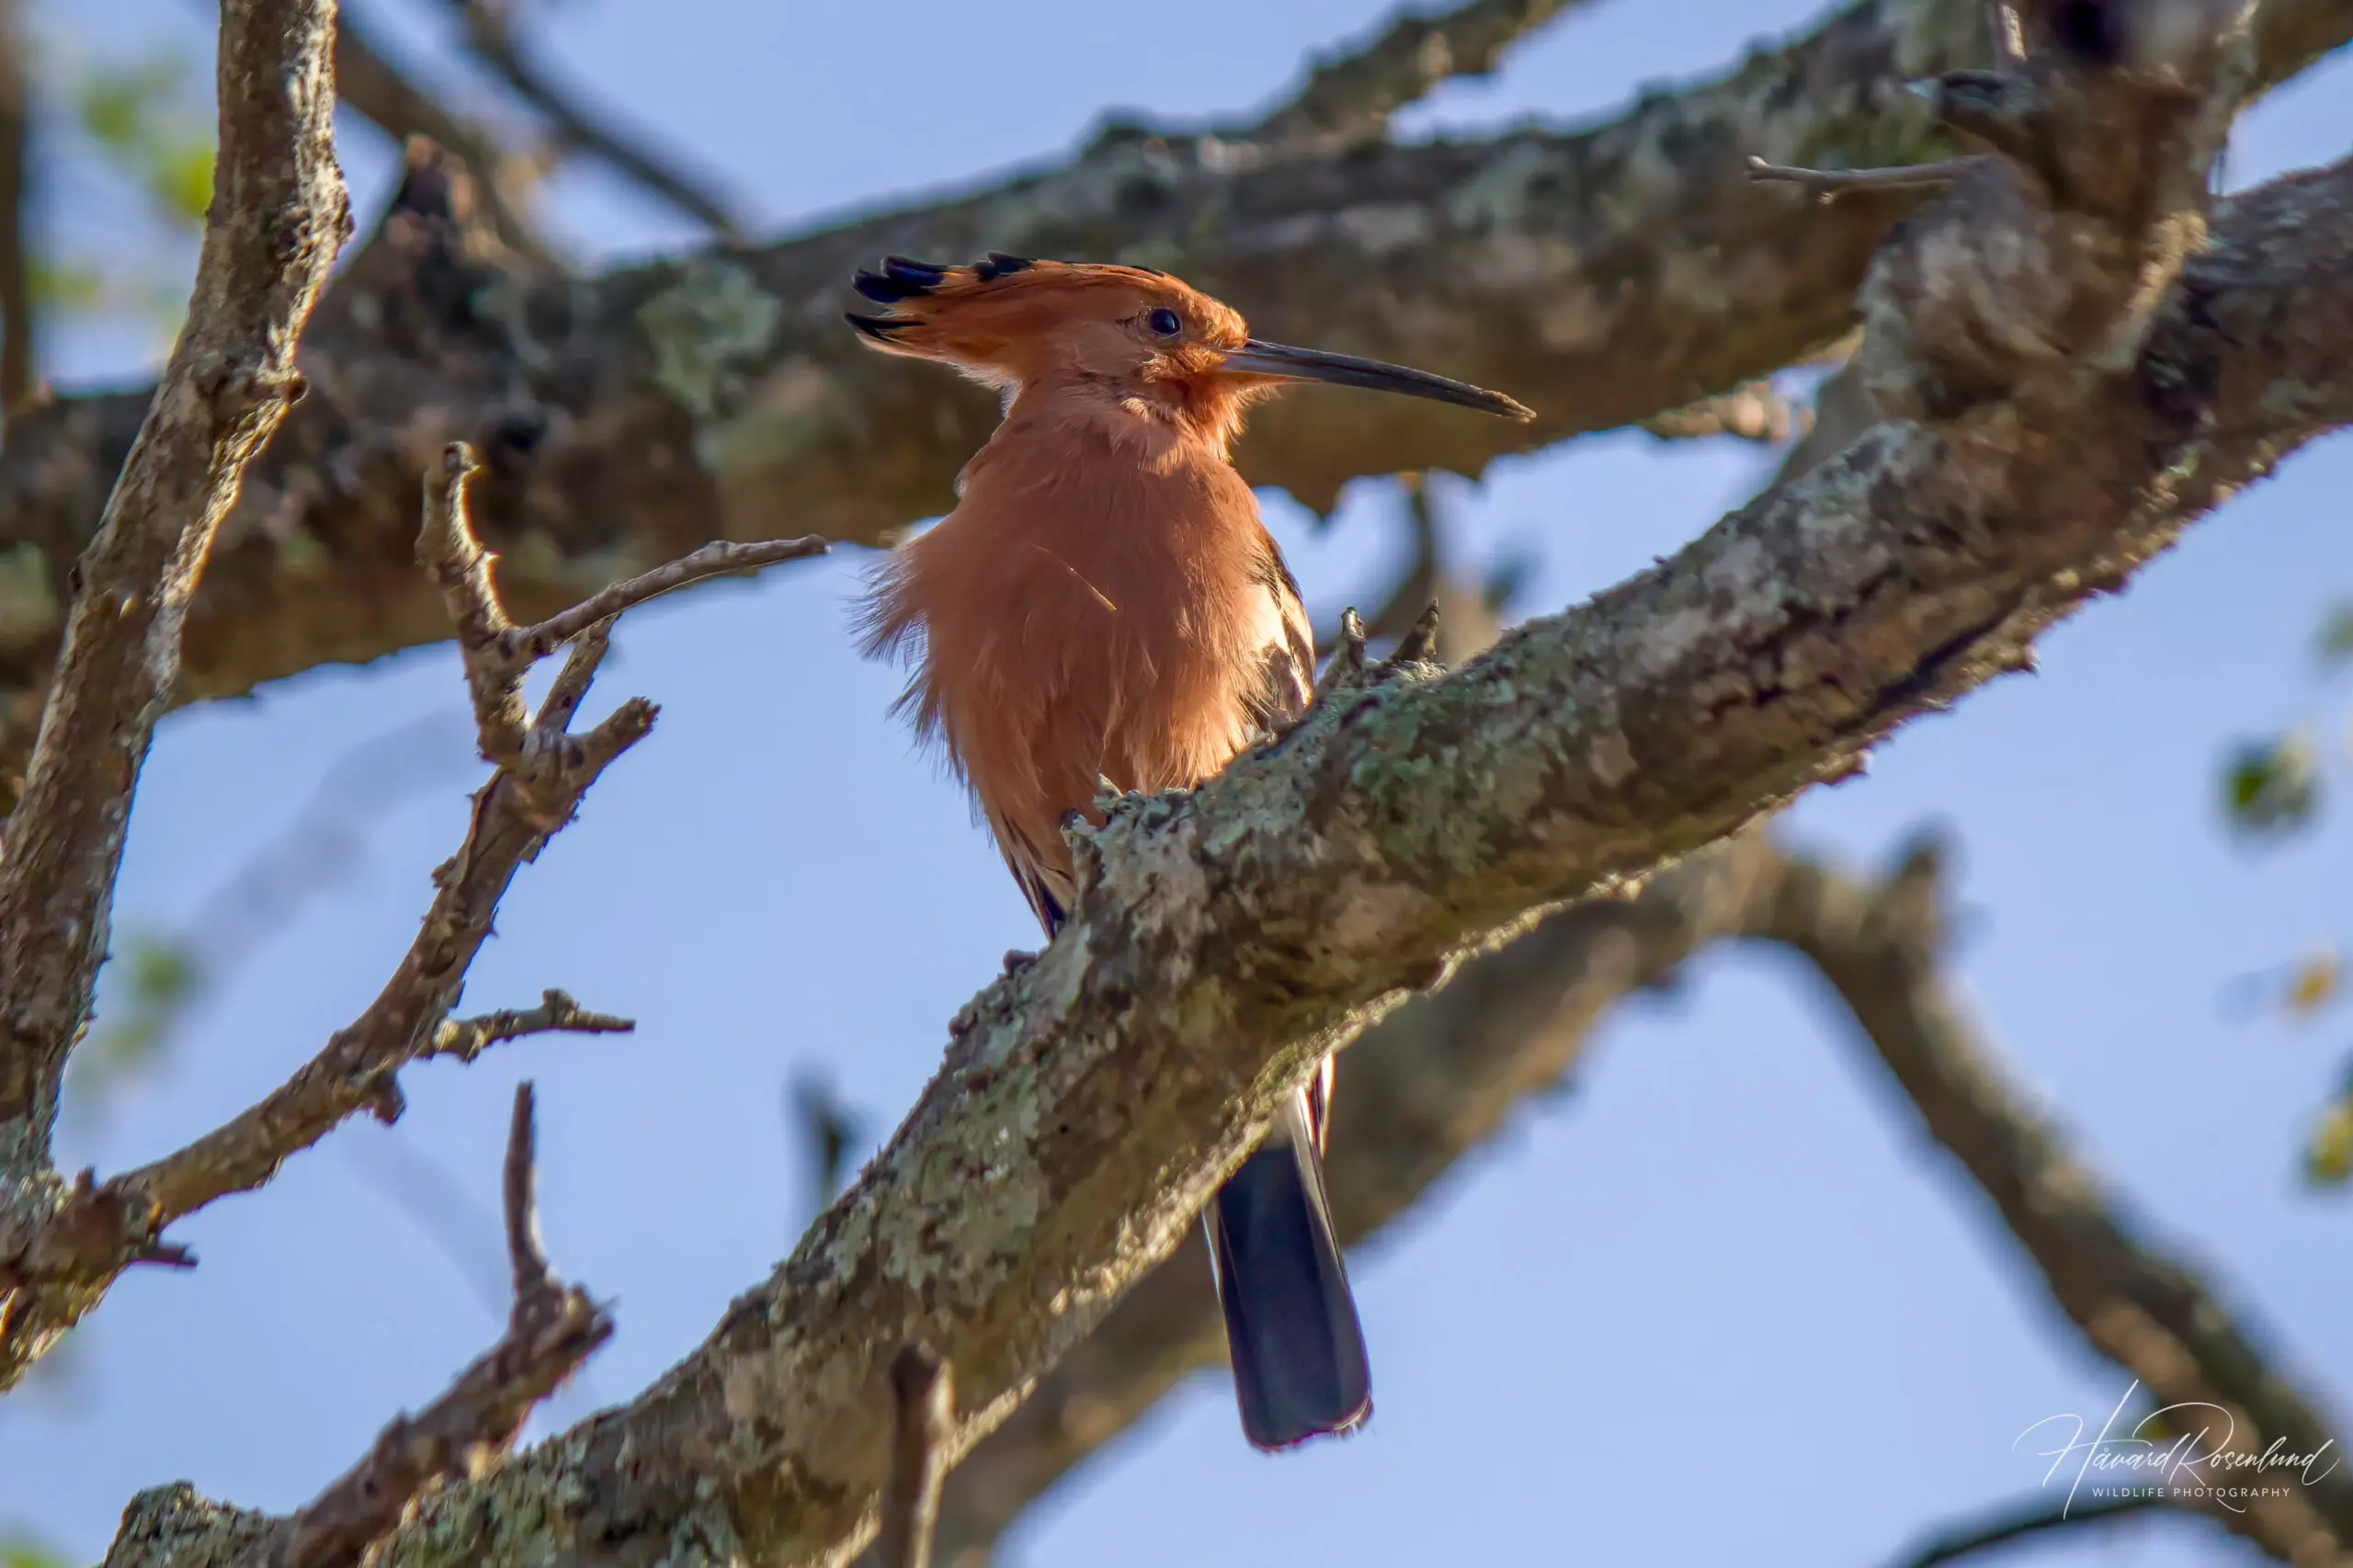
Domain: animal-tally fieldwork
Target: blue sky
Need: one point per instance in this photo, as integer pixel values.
(1719, 1302)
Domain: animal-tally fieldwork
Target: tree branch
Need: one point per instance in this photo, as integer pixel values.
(277, 219)
(65, 1265)
(1585, 271)
(370, 84)
(1223, 940)
(923, 1424)
(490, 35)
(2150, 1314)
(1436, 1079)
(551, 1330)
(1350, 95)
(2036, 1517)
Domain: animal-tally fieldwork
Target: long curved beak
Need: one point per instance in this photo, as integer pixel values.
(1284, 362)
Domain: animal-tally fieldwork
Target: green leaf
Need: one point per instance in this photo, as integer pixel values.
(2328, 1158)
(62, 285)
(2272, 787)
(2336, 634)
(149, 122)
(22, 1551)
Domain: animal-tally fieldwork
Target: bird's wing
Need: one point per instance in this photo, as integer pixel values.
(1284, 681)
(1044, 881)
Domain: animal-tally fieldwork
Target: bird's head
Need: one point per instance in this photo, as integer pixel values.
(1126, 334)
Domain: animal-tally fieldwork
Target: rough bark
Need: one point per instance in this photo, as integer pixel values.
(1223, 940)
(278, 216)
(1602, 276)
(1432, 1082)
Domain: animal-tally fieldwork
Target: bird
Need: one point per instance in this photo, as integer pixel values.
(1104, 606)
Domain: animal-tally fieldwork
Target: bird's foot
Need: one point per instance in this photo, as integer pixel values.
(1348, 670)
(1015, 960)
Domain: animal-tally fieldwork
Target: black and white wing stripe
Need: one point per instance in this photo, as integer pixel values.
(1286, 675)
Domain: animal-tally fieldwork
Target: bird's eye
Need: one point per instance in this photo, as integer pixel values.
(1164, 322)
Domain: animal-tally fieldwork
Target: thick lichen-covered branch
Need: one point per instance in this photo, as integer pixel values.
(1426, 1087)
(1225, 939)
(1602, 276)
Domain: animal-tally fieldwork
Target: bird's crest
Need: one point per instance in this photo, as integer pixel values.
(991, 317)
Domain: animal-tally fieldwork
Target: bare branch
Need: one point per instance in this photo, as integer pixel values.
(570, 687)
(2037, 1517)
(466, 1039)
(71, 1257)
(721, 558)
(533, 1279)
(923, 1423)
(1826, 186)
(1352, 94)
(447, 548)
(276, 222)
(1753, 410)
(496, 652)
(489, 34)
(2150, 1314)
(551, 1330)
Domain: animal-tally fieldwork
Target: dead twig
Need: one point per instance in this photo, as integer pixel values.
(1826, 186)
(923, 1421)
(497, 651)
(543, 771)
(551, 1329)
(1753, 410)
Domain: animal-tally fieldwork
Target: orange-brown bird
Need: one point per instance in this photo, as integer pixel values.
(1104, 603)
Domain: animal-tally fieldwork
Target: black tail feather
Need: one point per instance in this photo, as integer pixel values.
(1299, 1367)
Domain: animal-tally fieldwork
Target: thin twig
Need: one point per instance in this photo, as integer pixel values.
(1356, 91)
(541, 776)
(448, 548)
(490, 35)
(1753, 410)
(1826, 186)
(923, 1420)
(551, 1329)
(520, 1187)
(466, 1039)
(2037, 1517)
(718, 559)
(497, 651)
(570, 687)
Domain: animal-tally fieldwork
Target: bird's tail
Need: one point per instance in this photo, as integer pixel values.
(1299, 1367)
